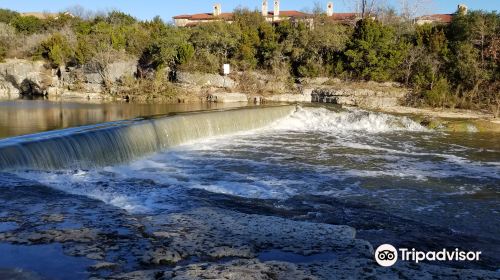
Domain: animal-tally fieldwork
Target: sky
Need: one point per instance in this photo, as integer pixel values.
(147, 9)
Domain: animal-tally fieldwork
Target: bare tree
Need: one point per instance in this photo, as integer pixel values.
(366, 8)
(410, 9)
(414, 55)
(80, 12)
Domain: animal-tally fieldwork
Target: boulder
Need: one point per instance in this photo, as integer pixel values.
(314, 81)
(201, 79)
(19, 76)
(366, 98)
(304, 96)
(117, 70)
(223, 97)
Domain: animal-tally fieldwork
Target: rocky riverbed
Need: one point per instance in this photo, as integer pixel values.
(203, 236)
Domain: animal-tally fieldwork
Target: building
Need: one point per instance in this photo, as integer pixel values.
(434, 19)
(45, 15)
(441, 18)
(274, 16)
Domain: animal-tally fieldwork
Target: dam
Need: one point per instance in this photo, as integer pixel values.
(98, 145)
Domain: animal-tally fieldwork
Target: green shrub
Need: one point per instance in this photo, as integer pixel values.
(185, 53)
(28, 25)
(440, 94)
(374, 52)
(57, 50)
(7, 16)
(3, 51)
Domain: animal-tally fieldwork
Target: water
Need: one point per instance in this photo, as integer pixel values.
(115, 142)
(390, 178)
(18, 117)
(48, 258)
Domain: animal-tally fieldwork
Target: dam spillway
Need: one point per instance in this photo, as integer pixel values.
(110, 143)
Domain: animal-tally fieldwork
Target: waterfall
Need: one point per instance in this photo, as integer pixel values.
(115, 142)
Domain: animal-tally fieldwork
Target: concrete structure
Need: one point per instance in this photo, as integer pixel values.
(462, 9)
(217, 10)
(265, 8)
(329, 9)
(276, 9)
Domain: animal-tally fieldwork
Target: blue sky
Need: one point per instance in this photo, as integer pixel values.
(147, 9)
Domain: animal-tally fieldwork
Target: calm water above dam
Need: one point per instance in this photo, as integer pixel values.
(390, 178)
(18, 117)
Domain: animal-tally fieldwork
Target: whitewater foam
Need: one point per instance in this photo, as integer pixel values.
(348, 120)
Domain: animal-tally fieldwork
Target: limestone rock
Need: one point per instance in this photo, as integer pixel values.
(216, 232)
(143, 275)
(366, 98)
(162, 256)
(19, 76)
(242, 270)
(117, 70)
(200, 79)
(53, 218)
(223, 97)
(290, 97)
(314, 81)
(103, 265)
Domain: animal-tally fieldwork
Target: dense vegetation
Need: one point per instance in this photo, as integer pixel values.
(454, 65)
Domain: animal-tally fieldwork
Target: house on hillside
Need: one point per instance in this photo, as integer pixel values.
(45, 15)
(274, 16)
(441, 18)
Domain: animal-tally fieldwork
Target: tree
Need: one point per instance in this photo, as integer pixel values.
(410, 9)
(218, 38)
(374, 53)
(56, 49)
(27, 25)
(268, 47)
(439, 95)
(247, 21)
(6, 16)
(474, 60)
(163, 51)
(367, 7)
(119, 18)
(414, 54)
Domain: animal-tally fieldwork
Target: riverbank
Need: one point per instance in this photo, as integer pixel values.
(22, 78)
(453, 120)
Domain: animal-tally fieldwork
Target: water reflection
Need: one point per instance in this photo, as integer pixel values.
(19, 117)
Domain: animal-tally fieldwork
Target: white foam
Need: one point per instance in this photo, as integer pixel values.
(324, 120)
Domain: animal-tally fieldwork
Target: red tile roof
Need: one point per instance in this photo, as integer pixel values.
(344, 16)
(444, 18)
(295, 14)
(226, 16)
(206, 16)
(284, 14)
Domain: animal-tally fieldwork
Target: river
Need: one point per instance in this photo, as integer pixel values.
(388, 177)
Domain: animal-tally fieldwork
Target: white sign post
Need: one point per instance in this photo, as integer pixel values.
(226, 69)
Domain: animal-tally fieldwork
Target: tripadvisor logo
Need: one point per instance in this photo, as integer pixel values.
(387, 255)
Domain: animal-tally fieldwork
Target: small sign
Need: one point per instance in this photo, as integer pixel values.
(226, 69)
